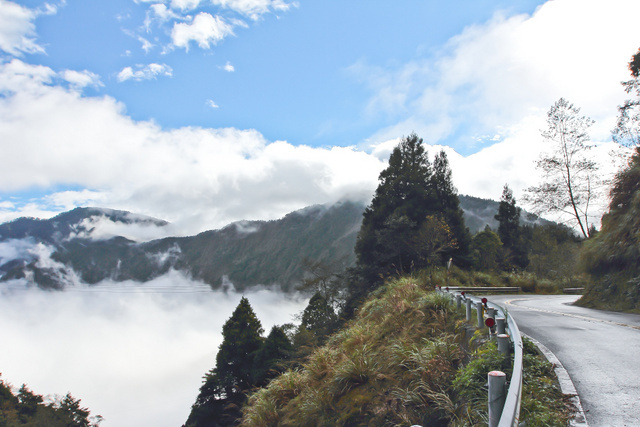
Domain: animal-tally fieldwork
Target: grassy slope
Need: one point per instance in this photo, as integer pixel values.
(401, 361)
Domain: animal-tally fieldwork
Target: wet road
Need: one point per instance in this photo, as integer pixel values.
(599, 349)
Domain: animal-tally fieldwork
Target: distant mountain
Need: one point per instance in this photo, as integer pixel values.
(63, 250)
(73, 246)
(478, 213)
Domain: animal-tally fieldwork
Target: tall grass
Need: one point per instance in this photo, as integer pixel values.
(399, 362)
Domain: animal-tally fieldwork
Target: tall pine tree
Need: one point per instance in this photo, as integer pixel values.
(223, 391)
(448, 207)
(514, 249)
(410, 190)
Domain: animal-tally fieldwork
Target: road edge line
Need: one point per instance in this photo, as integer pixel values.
(566, 384)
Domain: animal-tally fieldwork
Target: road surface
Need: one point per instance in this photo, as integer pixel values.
(599, 349)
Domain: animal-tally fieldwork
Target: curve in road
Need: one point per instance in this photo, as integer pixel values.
(599, 349)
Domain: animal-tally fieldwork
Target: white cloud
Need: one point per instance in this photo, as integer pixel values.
(17, 30)
(497, 81)
(81, 79)
(211, 103)
(144, 72)
(491, 77)
(146, 44)
(99, 227)
(205, 30)
(185, 4)
(254, 9)
(197, 178)
(228, 67)
(138, 354)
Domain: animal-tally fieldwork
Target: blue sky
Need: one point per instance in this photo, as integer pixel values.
(294, 71)
(203, 112)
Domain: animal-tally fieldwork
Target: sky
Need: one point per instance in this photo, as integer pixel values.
(204, 112)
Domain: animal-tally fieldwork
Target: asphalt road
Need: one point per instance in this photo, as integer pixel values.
(599, 349)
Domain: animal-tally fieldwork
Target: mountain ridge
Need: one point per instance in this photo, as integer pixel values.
(74, 244)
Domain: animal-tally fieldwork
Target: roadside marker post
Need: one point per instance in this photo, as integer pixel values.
(480, 312)
(497, 394)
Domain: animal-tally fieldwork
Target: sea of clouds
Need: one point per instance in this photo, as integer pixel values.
(133, 353)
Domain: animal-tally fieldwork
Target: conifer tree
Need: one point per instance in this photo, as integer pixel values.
(508, 217)
(410, 190)
(402, 200)
(269, 360)
(448, 205)
(224, 387)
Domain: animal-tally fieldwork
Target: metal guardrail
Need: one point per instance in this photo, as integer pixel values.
(511, 411)
(486, 289)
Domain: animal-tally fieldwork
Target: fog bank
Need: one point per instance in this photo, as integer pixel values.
(134, 353)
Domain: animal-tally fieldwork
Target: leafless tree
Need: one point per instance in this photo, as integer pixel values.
(570, 180)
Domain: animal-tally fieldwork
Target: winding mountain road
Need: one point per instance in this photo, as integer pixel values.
(599, 349)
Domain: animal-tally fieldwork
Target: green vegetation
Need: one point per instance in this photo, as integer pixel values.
(543, 404)
(612, 257)
(25, 408)
(404, 359)
(415, 202)
(244, 360)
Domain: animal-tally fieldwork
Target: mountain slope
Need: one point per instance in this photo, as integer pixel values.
(90, 245)
(60, 250)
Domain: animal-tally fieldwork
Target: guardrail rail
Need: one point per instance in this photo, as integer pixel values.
(510, 416)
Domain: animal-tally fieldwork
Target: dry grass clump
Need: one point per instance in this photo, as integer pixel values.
(392, 365)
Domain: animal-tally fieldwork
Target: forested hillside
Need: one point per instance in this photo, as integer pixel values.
(246, 253)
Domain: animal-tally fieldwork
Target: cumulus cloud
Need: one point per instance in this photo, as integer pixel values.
(204, 30)
(492, 77)
(133, 353)
(144, 72)
(197, 178)
(211, 103)
(17, 30)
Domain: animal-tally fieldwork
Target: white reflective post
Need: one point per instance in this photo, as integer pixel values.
(497, 394)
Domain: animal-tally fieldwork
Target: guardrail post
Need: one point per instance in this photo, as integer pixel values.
(503, 344)
(497, 394)
(468, 302)
(479, 308)
(500, 325)
(458, 300)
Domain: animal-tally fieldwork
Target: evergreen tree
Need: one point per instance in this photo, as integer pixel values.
(318, 317)
(514, 249)
(508, 217)
(448, 206)
(485, 249)
(269, 360)
(627, 130)
(410, 191)
(224, 387)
